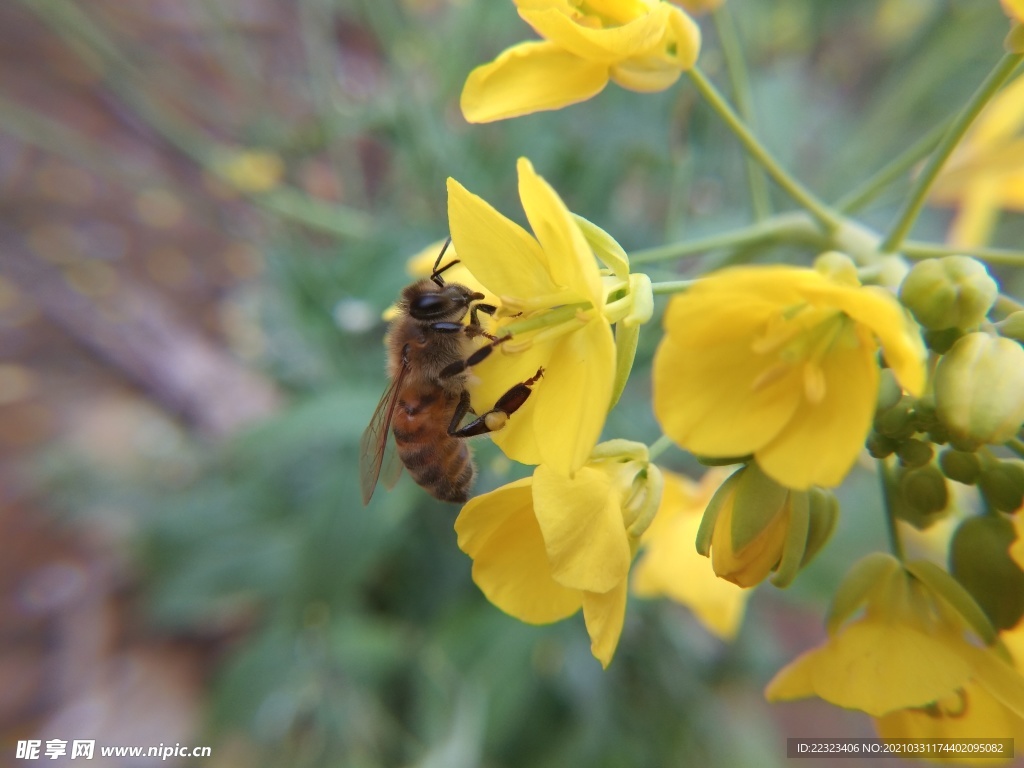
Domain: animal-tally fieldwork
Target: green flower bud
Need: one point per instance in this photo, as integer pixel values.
(951, 292)
(980, 560)
(880, 446)
(941, 341)
(914, 452)
(1012, 327)
(1002, 483)
(898, 421)
(978, 389)
(923, 496)
(889, 391)
(962, 466)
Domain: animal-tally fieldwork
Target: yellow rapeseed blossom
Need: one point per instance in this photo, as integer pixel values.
(642, 45)
(780, 362)
(970, 712)
(546, 546)
(986, 173)
(557, 270)
(916, 646)
(670, 565)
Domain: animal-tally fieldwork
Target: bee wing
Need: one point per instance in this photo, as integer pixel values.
(377, 442)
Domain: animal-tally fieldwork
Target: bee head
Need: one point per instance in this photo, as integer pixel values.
(430, 302)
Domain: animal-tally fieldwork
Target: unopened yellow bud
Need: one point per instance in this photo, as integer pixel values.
(978, 389)
(951, 292)
(754, 526)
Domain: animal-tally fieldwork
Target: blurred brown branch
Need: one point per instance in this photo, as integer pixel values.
(136, 331)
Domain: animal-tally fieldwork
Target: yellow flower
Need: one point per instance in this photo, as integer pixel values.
(969, 713)
(1014, 9)
(1017, 547)
(780, 362)
(551, 292)
(546, 546)
(986, 173)
(910, 649)
(671, 566)
(642, 45)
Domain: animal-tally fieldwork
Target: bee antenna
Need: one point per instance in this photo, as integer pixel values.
(435, 274)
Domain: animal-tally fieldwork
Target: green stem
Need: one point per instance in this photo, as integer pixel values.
(658, 447)
(1007, 305)
(817, 208)
(671, 286)
(871, 187)
(912, 207)
(793, 227)
(916, 249)
(1015, 445)
(739, 80)
(888, 491)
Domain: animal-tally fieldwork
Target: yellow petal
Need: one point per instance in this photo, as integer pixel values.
(498, 252)
(527, 78)
(708, 400)
(570, 260)
(968, 713)
(510, 564)
(978, 212)
(606, 45)
(580, 519)
(876, 667)
(821, 442)
(494, 377)
(604, 615)
(648, 74)
(573, 402)
(877, 309)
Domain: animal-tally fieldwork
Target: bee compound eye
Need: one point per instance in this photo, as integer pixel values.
(429, 305)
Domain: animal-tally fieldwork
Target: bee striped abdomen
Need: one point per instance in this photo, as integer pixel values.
(437, 461)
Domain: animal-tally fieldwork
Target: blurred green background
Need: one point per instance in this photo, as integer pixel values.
(187, 363)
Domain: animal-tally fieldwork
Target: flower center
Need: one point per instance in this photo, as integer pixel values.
(802, 336)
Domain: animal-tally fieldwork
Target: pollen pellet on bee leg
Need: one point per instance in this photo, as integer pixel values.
(495, 420)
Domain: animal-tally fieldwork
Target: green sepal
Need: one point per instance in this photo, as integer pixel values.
(824, 515)
(758, 501)
(653, 483)
(714, 507)
(796, 540)
(857, 585)
(956, 597)
(605, 247)
(626, 339)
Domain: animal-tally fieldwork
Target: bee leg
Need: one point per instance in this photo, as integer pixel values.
(495, 418)
(474, 359)
(487, 309)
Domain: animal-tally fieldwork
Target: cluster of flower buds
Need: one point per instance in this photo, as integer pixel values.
(975, 398)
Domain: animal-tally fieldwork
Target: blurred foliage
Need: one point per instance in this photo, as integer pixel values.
(357, 636)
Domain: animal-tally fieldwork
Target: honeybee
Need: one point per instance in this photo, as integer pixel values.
(430, 351)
